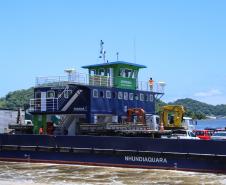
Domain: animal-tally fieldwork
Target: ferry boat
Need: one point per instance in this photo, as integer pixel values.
(105, 118)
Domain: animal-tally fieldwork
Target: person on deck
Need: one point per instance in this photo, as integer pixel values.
(151, 84)
(41, 131)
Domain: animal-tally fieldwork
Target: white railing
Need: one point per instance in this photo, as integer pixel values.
(39, 104)
(96, 80)
(158, 87)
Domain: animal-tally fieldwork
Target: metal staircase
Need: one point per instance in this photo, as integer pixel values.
(64, 124)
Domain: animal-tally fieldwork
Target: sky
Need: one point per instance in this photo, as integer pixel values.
(182, 43)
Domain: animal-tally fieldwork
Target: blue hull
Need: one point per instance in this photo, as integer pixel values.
(138, 152)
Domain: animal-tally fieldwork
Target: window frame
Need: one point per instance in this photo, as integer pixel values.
(108, 94)
(101, 72)
(141, 96)
(136, 97)
(97, 93)
(66, 92)
(120, 95)
(131, 96)
(125, 96)
(48, 92)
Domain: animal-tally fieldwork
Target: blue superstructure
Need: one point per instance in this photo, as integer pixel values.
(93, 100)
(105, 94)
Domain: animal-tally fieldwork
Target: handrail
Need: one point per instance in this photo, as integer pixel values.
(93, 80)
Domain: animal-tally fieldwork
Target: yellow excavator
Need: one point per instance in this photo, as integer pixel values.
(176, 120)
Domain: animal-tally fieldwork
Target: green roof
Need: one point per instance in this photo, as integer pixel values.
(114, 64)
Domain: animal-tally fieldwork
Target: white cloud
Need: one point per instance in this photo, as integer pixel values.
(210, 93)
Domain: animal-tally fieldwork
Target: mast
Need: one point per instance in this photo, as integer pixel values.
(102, 51)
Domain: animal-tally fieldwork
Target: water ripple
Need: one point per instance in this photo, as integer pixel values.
(52, 174)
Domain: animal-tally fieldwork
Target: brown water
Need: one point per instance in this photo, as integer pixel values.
(51, 174)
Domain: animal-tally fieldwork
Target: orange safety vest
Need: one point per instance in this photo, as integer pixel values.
(151, 82)
(40, 130)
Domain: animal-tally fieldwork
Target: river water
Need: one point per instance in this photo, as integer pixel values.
(43, 174)
(211, 123)
(52, 174)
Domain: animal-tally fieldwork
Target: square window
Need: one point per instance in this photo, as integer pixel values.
(67, 93)
(136, 97)
(95, 93)
(108, 94)
(120, 95)
(141, 97)
(130, 96)
(50, 94)
(125, 95)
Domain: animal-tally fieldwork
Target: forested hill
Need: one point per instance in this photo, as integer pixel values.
(195, 109)
(17, 99)
(200, 109)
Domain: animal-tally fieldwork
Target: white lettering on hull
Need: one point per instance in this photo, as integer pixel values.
(145, 159)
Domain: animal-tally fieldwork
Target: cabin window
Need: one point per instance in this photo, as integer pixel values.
(121, 72)
(151, 97)
(50, 94)
(102, 72)
(108, 94)
(67, 93)
(130, 96)
(101, 94)
(128, 73)
(141, 97)
(132, 74)
(38, 94)
(95, 93)
(92, 72)
(135, 73)
(136, 97)
(125, 95)
(107, 72)
(120, 95)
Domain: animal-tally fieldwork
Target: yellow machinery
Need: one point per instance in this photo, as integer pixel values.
(176, 120)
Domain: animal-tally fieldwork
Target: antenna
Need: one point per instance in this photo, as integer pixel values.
(102, 51)
(104, 55)
(134, 50)
(117, 54)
